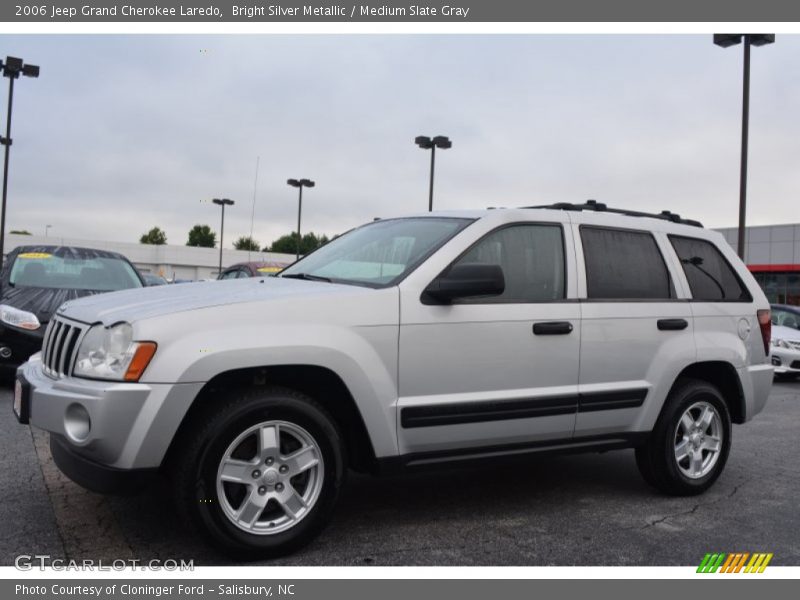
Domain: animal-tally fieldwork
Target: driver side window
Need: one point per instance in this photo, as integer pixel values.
(532, 259)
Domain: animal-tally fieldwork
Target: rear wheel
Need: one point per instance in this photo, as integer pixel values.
(690, 443)
(260, 472)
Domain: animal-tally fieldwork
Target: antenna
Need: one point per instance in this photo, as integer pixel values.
(253, 212)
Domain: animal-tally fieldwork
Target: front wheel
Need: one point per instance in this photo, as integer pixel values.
(261, 472)
(690, 443)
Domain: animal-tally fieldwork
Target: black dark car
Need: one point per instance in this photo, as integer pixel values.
(36, 280)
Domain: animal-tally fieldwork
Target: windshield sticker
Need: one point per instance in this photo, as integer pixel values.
(38, 255)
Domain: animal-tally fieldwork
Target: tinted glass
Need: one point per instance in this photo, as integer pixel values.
(40, 269)
(711, 277)
(379, 253)
(624, 265)
(532, 259)
(793, 288)
(785, 318)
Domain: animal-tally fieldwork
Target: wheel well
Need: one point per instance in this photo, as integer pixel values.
(322, 384)
(724, 377)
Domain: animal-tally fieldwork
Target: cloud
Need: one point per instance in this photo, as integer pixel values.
(121, 133)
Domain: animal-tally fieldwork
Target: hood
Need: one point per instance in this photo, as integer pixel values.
(42, 302)
(779, 332)
(144, 303)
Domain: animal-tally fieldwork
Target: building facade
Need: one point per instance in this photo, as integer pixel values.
(772, 253)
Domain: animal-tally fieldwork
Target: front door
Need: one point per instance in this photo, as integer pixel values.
(494, 371)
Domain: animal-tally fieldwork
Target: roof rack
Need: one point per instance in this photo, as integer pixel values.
(596, 206)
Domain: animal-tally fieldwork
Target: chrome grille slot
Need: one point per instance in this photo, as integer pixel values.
(59, 347)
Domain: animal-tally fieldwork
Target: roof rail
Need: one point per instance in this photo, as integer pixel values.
(596, 206)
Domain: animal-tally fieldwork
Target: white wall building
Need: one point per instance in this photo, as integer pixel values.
(171, 262)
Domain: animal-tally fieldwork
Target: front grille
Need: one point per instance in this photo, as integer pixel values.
(795, 364)
(59, 346)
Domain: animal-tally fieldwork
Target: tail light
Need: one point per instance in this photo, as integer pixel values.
(765, 322)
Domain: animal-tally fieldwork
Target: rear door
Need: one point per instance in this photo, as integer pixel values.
(636, 325)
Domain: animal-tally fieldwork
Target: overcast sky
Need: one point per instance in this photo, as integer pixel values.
(121, 133)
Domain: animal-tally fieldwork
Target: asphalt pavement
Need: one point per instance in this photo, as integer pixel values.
(569, 510)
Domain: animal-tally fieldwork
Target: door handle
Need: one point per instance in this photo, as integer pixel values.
(672, 324)
(552, 328)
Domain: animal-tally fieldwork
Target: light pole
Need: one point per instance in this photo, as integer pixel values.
(726, 40)
(299, 184)
(46, 229)
(426, 143)
(223, 202)
(12, 69)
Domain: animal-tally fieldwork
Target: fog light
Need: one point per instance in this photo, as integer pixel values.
(5, 352)
(77, 423)
(776, 361)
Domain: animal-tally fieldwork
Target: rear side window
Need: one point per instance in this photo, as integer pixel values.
(624, 265)
(711, 277)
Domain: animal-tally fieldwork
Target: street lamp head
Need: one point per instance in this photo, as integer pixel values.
(762, 39)
(300, 183)
(12, 67)
(30, 70)
(223, 201)
(423, 142)
(726, 40)
(442, 141)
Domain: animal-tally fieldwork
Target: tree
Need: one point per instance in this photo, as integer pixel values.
(287, 244)
(201, 235)
(155, 236)
(246, 243)
(20, 232)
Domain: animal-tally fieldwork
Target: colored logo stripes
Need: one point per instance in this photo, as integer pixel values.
(735, 562)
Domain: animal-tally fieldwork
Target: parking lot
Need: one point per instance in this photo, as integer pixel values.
(572, 510)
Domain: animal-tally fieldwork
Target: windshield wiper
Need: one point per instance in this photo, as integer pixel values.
(306, 277)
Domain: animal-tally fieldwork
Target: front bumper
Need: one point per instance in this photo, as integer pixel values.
(785, 360)
(122, 426)
(95, 476)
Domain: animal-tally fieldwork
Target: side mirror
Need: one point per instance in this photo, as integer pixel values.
(465, 281)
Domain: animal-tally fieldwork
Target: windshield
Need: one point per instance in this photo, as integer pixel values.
(380, 253)
(44, 270)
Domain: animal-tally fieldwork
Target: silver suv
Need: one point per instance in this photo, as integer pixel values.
(409, 343)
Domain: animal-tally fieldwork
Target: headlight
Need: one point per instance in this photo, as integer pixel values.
(780, 343)
(18, 318)
(111, 353)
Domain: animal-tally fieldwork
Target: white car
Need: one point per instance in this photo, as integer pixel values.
(785, 350)
(409, 343)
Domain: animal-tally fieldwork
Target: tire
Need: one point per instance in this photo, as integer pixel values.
(705, 434)
(262, 504)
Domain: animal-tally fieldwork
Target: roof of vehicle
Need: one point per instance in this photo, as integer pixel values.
(73, 252)
(595, 211)
(256, 264)
(789, 307)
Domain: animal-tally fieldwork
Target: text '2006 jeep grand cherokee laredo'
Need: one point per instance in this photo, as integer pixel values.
(409, 342)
